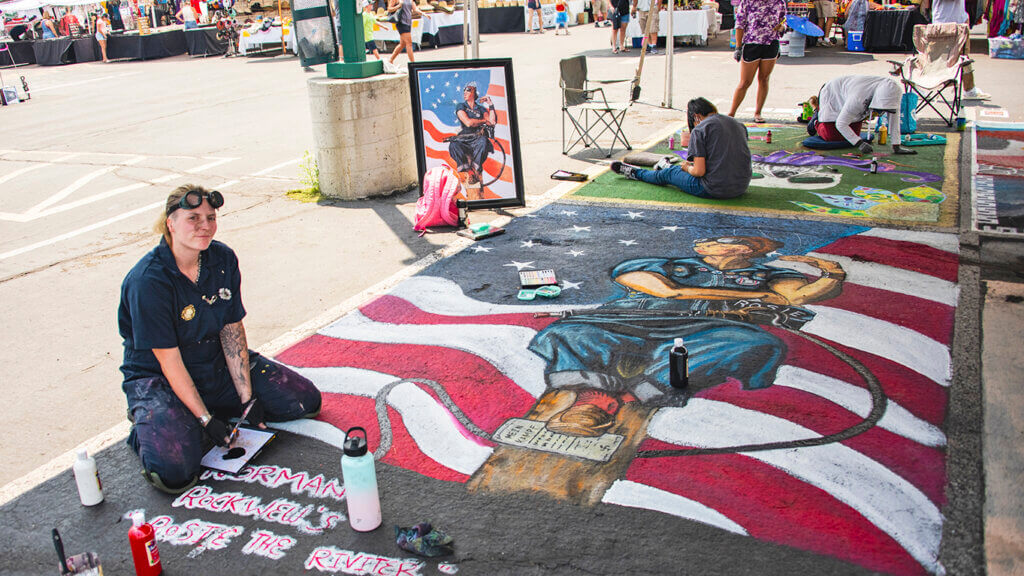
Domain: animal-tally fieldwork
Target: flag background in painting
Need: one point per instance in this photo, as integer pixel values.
(440, 91)
(872, 500)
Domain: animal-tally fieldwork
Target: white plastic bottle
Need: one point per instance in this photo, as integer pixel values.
(90, 489)
(360, 476)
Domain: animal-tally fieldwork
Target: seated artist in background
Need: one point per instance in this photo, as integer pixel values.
(717, 161)
(846, 102)
(187, 367)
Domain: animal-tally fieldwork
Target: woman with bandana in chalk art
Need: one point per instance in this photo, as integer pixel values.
(716, 301)
(187, 368)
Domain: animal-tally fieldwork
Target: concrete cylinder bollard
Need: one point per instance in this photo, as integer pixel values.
(362, 130)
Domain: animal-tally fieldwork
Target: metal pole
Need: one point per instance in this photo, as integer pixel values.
(465, 31)
(474, 25)
(284, 49)
(670, 45)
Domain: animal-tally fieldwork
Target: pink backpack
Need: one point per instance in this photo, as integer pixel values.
(436, 207)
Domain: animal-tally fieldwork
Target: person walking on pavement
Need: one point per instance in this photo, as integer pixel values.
(187, 367)
(718, 158)
(759, 24)
(954, 12)
(533, 7)
(620, 20)
(645, 10)
(406, 8)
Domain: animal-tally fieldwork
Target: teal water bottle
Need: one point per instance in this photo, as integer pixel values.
(360, 476)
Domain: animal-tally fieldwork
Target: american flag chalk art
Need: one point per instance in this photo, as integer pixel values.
(819, 368)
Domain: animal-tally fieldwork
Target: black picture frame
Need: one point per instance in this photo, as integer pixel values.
(438, 91)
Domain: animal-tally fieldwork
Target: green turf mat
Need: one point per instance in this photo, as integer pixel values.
(919, 189)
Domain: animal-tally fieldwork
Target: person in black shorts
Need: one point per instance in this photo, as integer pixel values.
(619, 15)
(534, 10)
(406, 9)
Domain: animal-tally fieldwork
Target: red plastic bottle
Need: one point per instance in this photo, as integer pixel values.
(143, 543)
(768, 137)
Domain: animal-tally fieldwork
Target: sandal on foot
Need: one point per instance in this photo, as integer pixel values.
(758, 119)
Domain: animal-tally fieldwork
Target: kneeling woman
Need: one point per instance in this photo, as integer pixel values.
(187, 367)
(717, 161)
(846, 102)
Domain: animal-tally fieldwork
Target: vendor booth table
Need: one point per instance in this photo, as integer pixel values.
(53, 51)
(891, 30)
(441, 29)
(547, 12)
(254, 42)
(146, 47)
(501, 19)
(86, 49)
(19, 52)
(688, 24)
(387, 32)
(203, 41)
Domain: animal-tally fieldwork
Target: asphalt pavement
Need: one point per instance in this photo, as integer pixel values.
(86, 162)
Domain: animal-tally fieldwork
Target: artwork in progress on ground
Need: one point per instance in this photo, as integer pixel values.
(819, 374)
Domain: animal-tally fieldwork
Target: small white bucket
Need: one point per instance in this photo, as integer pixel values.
(784, 44)
(796, 44)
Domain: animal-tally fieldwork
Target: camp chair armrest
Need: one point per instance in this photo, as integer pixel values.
(587, 93)
(897, 67)
(966, 62)
(610, 81)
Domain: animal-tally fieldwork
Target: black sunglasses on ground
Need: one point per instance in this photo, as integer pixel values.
(194, 198)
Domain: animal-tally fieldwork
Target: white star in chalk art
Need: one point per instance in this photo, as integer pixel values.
(520, 265)
(479, 249)
(431, 86)
(566, 285)
(576, 228)
(569, 212)
(527, 244)
(426, 90)
(447, 84)
(575, 253)
(434, 104)
(627, 242)
(456, 74)
(634, 215)
(428, 76)
(671, 228)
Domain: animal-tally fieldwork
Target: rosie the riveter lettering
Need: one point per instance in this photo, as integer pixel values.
(819, 364)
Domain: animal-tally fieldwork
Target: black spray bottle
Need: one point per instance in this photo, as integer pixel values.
(679, 370)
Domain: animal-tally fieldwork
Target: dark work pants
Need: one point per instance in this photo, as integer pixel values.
(170, 440)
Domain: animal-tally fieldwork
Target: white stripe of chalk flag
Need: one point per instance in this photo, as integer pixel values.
(894, 505)
(636, 495)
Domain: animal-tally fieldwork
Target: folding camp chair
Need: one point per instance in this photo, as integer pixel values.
(588, 109)
(935, 73)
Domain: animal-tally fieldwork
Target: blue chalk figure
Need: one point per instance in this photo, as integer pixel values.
(716, 301)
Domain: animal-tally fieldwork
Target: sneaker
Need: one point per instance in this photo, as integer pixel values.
(155, 481)
(976, 94)
(652, 50)
(581, 420)
(624, 169)
(663, 163)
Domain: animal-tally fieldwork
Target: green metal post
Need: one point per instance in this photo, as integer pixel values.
(353, 46)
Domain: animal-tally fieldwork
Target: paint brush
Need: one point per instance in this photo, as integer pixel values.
(59, 546)
(234, 431)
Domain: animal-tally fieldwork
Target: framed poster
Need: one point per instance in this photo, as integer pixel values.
(464, 115)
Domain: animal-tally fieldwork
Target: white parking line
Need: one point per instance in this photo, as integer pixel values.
(276, 166)
(80, 231)
(21, 171)
(56, 86)
(216, 162)
(69, 190)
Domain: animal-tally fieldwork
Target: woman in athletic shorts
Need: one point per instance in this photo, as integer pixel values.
(534, 7)
(759, 24)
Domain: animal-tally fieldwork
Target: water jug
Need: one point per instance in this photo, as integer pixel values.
(357, 470)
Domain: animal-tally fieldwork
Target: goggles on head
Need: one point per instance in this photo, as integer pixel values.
(194, 198)
(725, 240)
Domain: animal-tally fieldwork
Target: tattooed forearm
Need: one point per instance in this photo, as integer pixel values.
(236, 353)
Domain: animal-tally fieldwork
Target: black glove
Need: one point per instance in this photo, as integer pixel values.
(737, 54)
(898, 149)
(256, 415)
(864, 147)
(218, 432)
